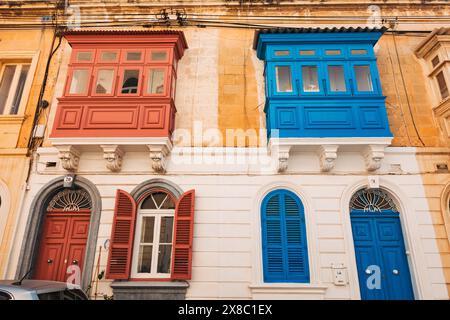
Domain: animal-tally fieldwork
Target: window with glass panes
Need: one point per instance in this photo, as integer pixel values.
(322, 71)
(104, 72)
(13, 78)
(154, 236)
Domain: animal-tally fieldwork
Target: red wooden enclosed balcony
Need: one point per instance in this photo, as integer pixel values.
(120, 89)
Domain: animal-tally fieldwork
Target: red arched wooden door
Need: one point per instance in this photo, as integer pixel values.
(64, 235)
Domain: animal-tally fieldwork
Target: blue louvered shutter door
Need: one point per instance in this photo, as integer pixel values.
(296, 250)
(274, 268)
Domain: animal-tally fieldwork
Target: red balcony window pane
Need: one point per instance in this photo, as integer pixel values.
(156, 81)
(80, 82)
(109, 56)
(104, 83)
(132, 56)
(158, 56)
(130, 81)
(83, 56)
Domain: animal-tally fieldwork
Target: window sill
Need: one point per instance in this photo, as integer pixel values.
(443, 108)
(149, 290)
(288, 291)
(12, 119)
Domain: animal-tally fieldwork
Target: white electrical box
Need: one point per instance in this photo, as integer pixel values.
(339, 274)
(39, 131)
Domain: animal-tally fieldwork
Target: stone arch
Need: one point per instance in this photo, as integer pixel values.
(30, 245)
(145, 186)
(311, 231)
(409, 229)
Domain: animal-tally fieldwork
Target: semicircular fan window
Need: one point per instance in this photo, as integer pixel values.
(372, 200)
(70, 200)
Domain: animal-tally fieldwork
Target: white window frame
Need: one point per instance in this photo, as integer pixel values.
(14, 84)
(157, 214)
(9, 57)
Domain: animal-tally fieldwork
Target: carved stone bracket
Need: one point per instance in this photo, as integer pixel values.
(158, 155)
(281, 156)
(113, 156)
(373, 154)
(327, 156)
(69, 157)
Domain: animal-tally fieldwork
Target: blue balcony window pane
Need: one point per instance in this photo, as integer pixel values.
(333, 52)
(310, 79)
(282, 53)
(363, 78)
(284, 78)
(337, 79)
(307, 52)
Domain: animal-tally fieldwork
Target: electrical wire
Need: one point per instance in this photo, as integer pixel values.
(406, 91)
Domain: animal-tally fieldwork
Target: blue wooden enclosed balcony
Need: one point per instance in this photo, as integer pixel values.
(323, 88)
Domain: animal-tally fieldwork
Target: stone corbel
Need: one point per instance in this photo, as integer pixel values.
(113, 156)
(373, 154)
(158, 155)
(281, 156)
(327, 157)
(69, 157)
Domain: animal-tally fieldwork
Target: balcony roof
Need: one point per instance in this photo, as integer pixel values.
(97, 36)
(334, 34)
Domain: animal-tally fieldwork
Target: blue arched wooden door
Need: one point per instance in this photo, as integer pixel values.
(383, 270)
(284, 243)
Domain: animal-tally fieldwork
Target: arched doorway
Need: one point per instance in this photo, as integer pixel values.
(64, 235)
(383, 270)
(29, 253)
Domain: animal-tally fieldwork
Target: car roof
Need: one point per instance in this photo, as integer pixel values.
(39, 286)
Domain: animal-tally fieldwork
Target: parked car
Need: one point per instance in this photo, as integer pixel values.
(39, 290)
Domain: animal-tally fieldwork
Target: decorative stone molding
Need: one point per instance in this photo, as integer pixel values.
(158, 155)
(281, 156)
(113, 156)
(372, 148)
(373, 154)
(69, 157)
(327, 156)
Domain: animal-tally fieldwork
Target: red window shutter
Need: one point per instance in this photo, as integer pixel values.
(184, 232)
(122, 236)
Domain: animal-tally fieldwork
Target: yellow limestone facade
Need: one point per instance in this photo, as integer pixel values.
(18, 47)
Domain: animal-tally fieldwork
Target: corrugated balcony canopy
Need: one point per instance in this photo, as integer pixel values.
(304, 35)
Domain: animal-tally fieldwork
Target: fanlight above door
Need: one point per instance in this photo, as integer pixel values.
(372, 200)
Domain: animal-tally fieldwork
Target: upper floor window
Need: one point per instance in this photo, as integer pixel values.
(442, 85)
(284, 243)
(324, 70)
(12, 84)
(284, 78)
(434, 52)
(122, 72)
